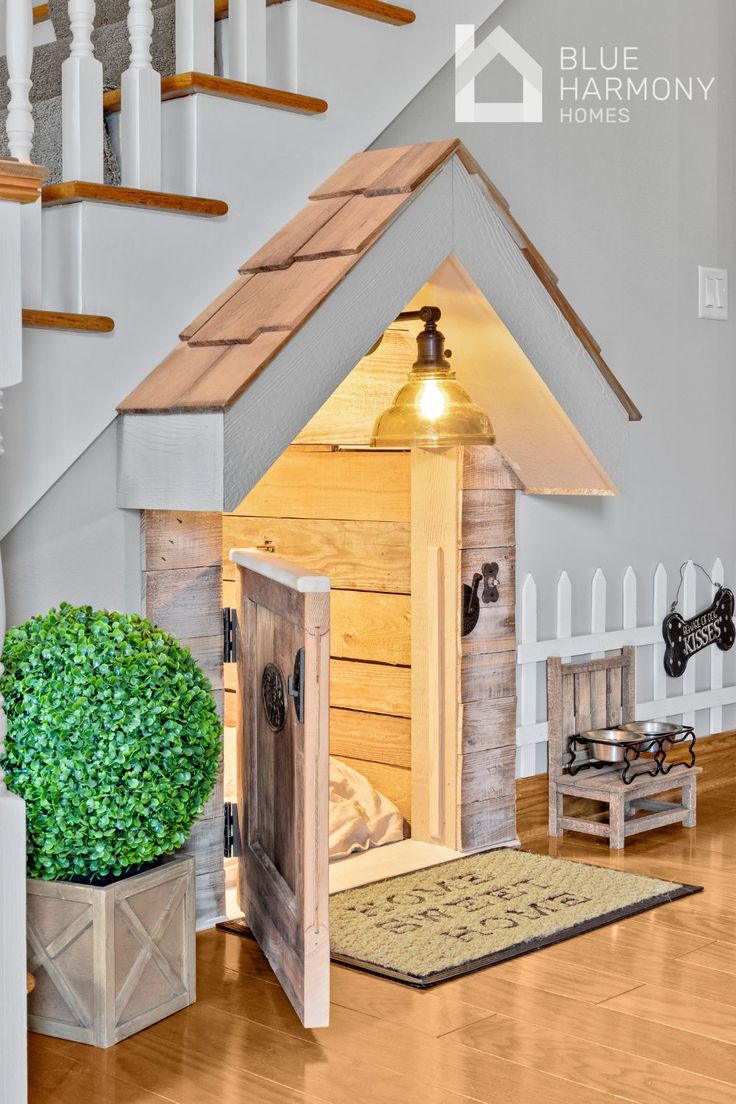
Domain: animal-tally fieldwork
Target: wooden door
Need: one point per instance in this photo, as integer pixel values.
(283, 772)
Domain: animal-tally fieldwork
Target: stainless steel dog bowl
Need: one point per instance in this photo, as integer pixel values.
(660, 729)
(653, 728)
(608, 745)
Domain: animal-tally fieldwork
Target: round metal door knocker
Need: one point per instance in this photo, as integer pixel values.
(273, 697)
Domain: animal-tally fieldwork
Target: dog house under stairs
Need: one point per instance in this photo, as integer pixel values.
(378, 583)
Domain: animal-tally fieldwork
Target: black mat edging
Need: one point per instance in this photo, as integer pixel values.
(516, 950)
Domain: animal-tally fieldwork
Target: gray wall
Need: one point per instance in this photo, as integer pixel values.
(624, 213)
(75, 545)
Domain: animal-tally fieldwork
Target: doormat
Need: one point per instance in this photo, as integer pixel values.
(463, 915)
(473, 912)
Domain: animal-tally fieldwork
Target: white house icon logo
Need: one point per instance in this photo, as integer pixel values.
(470, 60)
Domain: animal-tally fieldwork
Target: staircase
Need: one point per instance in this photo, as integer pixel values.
(171, 157)
(266, 98)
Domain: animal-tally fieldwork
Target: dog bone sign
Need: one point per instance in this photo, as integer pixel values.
(685, 638)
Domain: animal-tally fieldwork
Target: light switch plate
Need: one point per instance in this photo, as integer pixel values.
(713, 295)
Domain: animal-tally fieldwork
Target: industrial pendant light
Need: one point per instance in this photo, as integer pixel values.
(431, 410)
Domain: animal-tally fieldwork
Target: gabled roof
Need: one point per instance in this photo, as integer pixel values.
(390, 225)
(233, 340)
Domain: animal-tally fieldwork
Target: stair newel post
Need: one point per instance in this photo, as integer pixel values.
(13, 1067)
(18, 35)
(19, 50)
(247, 40)
(195, 37)
(140, 118)
(81, 99)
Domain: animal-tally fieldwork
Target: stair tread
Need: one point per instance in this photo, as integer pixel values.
(66, 320)
(222, 7)
(374, 9)
(40, 13)
(187, 84)
(371, 9)
(74, 191)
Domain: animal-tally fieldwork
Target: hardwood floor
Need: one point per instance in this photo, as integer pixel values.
(641, 1011)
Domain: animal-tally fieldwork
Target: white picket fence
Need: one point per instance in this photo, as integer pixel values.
(647, 638)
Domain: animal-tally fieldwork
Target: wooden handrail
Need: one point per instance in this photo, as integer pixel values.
(19, 181)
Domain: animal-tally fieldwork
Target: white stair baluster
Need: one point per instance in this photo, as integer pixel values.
(19, 49)
(247, 41)
(18, 34)
(140, 119)
(195, 36)
(81, 99)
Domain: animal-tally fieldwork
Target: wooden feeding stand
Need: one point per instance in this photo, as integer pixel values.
(601, 693)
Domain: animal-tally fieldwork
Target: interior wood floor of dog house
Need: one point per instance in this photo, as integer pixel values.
(644, 1010)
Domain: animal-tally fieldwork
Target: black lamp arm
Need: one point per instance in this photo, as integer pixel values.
(430, 316)
(424, 314)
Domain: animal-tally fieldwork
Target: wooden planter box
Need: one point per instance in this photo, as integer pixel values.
(111, 960)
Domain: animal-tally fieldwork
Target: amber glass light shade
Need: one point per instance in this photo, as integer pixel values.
(432, 410)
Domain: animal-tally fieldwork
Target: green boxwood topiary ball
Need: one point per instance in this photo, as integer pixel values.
(113, 740)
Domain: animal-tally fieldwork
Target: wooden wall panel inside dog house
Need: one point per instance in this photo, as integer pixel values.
(349, 415)
(346, 512)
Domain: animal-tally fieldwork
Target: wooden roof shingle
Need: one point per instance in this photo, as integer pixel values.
(233, 339)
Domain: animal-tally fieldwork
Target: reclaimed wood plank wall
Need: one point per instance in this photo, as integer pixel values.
(182, 593)
(487, 761)
(346, 512)
(463, 687)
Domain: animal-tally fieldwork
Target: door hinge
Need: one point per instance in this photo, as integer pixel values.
(229, 635)
(230, 829)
